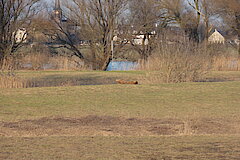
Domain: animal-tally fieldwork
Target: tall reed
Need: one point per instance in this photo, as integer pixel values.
(10, 80)
(176, 63)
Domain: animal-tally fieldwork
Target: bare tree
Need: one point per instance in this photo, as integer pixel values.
(14, 15)
(64, 35)
(173, 10)
(94, 22)
(143, 20)
(148, 19)
(195, 19)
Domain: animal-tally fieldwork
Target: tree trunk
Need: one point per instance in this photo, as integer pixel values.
(238, 32)
(197, 32)
(1, 59)
(237, 15)
(238, 45)
(144, 55)
(106, 62)
(4, 53)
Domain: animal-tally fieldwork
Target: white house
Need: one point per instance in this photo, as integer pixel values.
(216, 37)
(21, 36)
(139, 40)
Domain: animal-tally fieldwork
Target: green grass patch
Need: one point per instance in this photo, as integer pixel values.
(217, 101)
(158, 101)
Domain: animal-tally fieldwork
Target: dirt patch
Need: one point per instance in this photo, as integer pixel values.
(116, 126)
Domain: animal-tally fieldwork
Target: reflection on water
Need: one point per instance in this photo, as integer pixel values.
(113, 66)
(122, 66)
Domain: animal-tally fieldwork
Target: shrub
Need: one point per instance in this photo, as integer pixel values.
(176, 63)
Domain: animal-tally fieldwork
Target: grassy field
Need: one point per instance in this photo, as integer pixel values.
(197, 120)
(150, 148)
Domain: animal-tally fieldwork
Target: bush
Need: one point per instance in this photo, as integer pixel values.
(177, 63)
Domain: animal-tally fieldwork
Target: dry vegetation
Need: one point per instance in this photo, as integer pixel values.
(117, 148)
(188, 62)
(177, 63)
(10, 80)
(226, 63)
(168, 64)
(117, 126)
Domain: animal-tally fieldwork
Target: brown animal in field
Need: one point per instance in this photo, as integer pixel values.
(119, 81)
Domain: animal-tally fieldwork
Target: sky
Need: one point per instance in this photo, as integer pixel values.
(51, 2)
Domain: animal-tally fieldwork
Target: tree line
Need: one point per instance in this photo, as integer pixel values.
(99, 21)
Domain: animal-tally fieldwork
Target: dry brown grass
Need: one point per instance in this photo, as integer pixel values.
(225, 63)
(10, 80)
(43, 61)
(35, 61)
(117, 147)
(177, 63)
(10, 63)
(93, 125)
(41, 57)
(66, 63)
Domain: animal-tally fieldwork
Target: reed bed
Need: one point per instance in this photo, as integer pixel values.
(12, 81)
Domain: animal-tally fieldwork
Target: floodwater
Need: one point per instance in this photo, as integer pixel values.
(122, 66)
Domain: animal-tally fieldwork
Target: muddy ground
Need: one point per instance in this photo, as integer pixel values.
(116, 126)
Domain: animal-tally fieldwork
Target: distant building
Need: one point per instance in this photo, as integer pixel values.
(140, 39)
(21, 36)
(216, 37)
